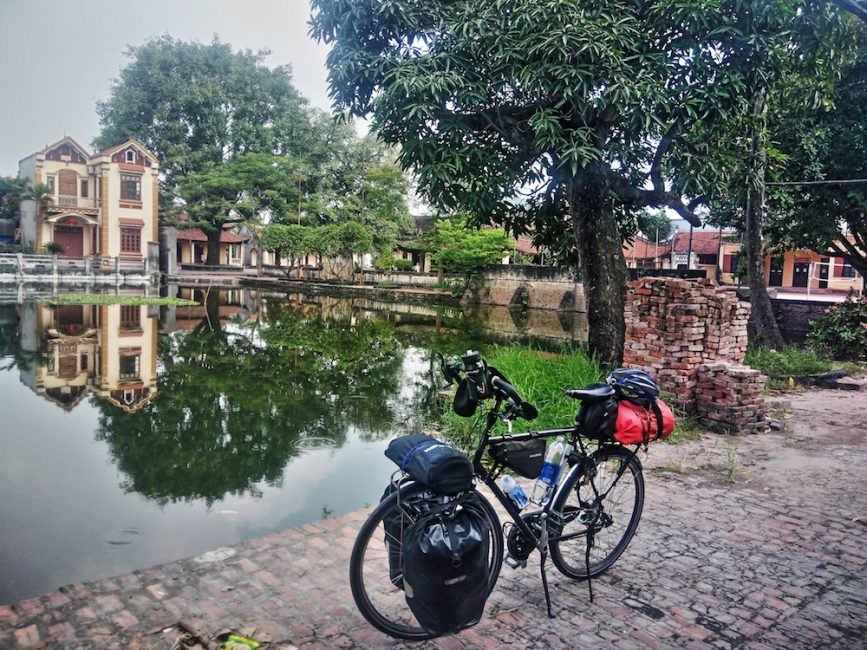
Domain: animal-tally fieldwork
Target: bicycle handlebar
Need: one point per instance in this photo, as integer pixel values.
(500, 384)
(520, 408)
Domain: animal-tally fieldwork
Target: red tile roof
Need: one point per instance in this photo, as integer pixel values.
(645, 249)
(524, 244)
(704, 242)
(195, 234)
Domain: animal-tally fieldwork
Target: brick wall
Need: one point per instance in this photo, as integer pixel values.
(678, 329)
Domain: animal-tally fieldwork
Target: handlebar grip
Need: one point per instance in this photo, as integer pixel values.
(505, 387)
(573, 393)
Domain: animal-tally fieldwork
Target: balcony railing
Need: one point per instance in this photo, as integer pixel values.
(63, 201)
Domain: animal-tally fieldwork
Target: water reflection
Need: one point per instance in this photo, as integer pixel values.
(138, 435)
(238, 385)
(67, 352)
(243, 394)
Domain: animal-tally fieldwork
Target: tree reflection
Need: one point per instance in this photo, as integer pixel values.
(235, 401)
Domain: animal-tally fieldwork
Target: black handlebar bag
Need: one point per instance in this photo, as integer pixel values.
(445, 572)
(431, 462)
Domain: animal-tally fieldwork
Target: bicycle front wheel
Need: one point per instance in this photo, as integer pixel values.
(376, 565)
(609, 514)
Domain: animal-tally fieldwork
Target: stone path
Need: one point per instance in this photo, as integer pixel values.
(775, 559)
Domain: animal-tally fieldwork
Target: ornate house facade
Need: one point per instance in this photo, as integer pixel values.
(98, 204)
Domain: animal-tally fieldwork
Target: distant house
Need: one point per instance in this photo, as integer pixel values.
(98, 204)
(697, 250)
(798, 269)
(192, 247)
(641, 253)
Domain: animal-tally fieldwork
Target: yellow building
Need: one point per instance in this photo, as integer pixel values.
(799, 269)
(98, 204)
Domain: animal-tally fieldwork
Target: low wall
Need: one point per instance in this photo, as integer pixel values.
(532, 287)
(794, 317)
(402, 279)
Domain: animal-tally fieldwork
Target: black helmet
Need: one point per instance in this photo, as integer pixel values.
(634, 385)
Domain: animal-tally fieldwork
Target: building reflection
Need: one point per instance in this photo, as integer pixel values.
(109, 351)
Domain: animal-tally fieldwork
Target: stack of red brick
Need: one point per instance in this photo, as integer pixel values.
(674, 327)
(730, 396)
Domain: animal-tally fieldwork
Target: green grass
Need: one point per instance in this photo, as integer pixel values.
(104, 299)
(789, 362)
(540, 378)
(687, 428)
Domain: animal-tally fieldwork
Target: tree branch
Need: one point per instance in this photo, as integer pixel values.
(661, 149)
(631, 195)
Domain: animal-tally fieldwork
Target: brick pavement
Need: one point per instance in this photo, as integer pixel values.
(713, 565)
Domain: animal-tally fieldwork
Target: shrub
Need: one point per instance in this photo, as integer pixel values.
(402, 265)
(383, 262)
(842, 331)
(53, 247)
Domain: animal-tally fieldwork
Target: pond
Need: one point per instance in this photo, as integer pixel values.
(134, 436)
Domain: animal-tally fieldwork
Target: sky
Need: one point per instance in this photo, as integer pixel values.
(59, 57)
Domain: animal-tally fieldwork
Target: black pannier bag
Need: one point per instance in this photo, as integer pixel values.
(445, 554)
(522, 456)
(391, 524)
(432, 462)
(596, 420)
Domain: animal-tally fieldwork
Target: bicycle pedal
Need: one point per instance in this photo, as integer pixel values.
(514, 563)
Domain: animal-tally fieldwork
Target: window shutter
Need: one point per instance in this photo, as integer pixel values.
(727, 263)
(838, 266)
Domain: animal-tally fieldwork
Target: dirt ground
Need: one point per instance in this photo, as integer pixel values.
(823, 432)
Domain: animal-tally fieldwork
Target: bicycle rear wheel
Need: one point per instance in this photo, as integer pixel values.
(375, 566)
(611, 517)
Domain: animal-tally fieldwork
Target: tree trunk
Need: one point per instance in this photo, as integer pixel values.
(601, 263)
(212, 310)
(213, 258)
(765, 330)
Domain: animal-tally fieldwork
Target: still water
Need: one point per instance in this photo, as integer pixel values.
(133, 435)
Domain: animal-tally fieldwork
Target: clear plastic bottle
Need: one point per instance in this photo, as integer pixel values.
(550, 471)
(514, 491)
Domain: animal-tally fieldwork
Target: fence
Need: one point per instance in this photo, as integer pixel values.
(19, 268)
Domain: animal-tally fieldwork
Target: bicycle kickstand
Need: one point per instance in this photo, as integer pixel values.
(543, 550)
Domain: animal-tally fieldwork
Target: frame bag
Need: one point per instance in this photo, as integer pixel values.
(525, 457)
(445, 555)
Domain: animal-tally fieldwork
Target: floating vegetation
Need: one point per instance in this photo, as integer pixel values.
(105, 299)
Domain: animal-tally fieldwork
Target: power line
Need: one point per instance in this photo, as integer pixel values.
(849, 181)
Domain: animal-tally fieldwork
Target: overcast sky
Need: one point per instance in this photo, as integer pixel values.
(59, 57)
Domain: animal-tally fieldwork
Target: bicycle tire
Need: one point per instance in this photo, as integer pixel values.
(378, 599)
(615, 521)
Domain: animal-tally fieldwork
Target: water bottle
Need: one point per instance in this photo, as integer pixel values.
(514, 491)
(550, 472)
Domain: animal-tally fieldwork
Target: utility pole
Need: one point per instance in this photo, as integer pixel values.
(689, 250)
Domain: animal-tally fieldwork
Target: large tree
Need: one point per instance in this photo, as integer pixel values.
(790, 53)
(551, 116)
(821, 203)
(241, 190)
(196, 105)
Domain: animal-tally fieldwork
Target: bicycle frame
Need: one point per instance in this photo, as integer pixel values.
(576, 461)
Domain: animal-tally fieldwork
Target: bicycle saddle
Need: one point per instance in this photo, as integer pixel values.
(592, 394)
